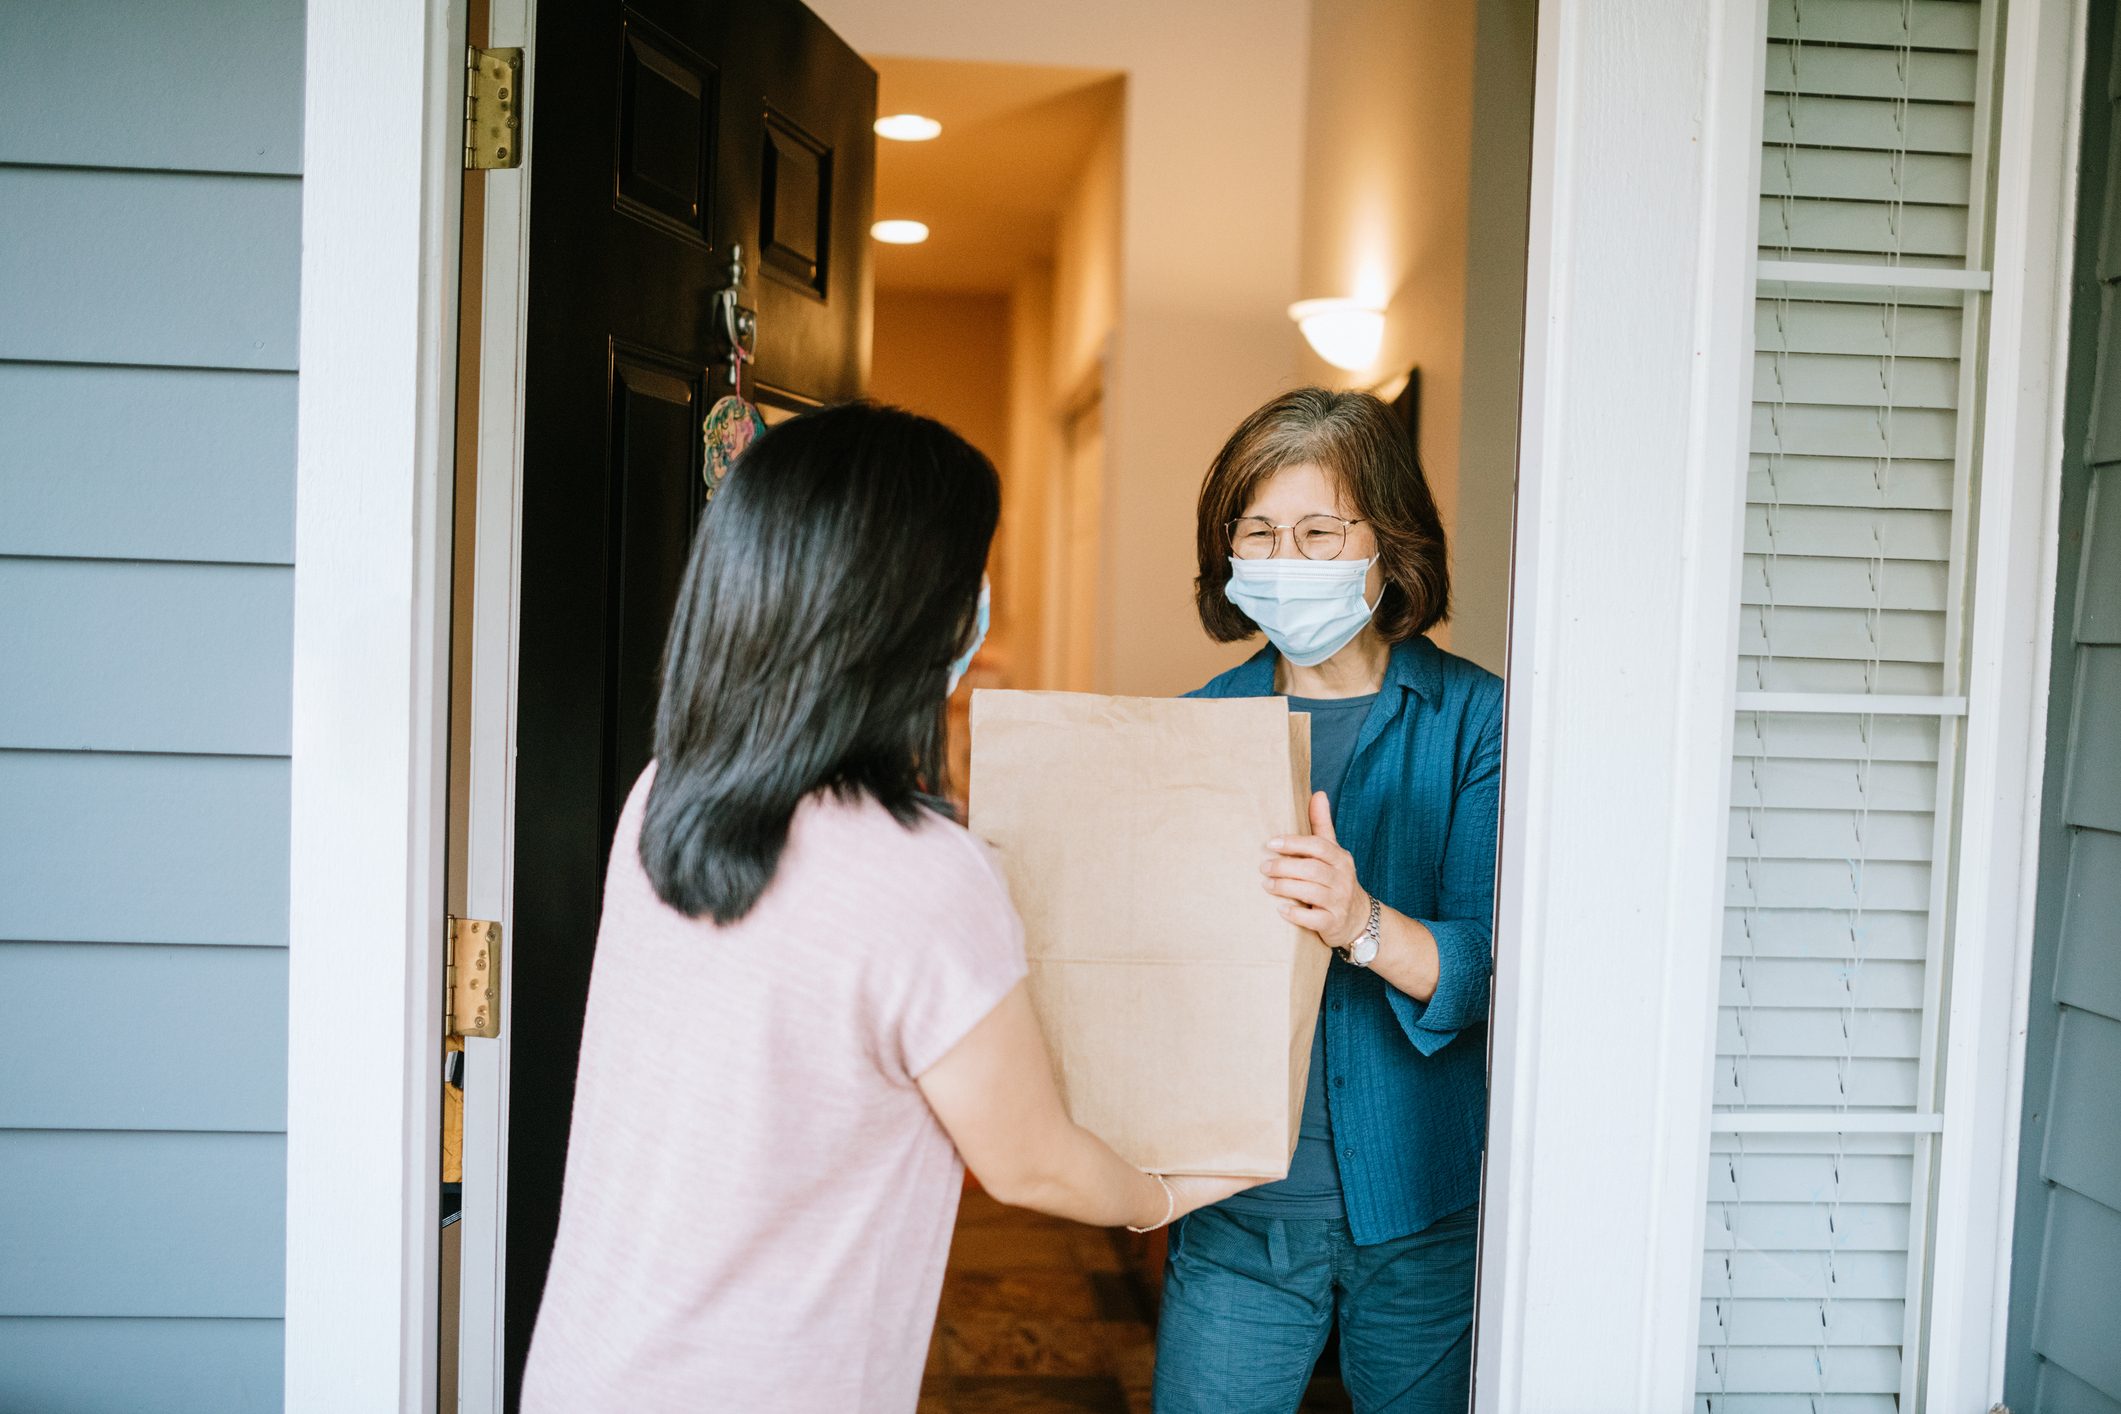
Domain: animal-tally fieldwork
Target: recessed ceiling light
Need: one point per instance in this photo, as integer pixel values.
(908, 127)
(900, 232)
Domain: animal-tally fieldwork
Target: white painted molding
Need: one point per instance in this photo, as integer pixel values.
(489, 883)
(1616, 777)
(382, 152)
(2007, 677)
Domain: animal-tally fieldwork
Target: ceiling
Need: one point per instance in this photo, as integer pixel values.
(990, 188)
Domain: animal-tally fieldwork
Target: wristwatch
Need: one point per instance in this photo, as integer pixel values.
(1363, 951)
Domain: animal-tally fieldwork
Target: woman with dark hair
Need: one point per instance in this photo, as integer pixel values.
(808, 999)
(1317, 528)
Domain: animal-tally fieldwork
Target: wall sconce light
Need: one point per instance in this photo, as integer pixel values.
(1344, 332)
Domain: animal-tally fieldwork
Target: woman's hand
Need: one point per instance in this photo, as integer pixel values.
(1316, 878)
(1195, 1190)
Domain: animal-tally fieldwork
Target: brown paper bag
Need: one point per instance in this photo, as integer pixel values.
(1177, 1001)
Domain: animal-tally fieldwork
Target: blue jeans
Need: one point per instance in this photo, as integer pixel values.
(1248, 1302)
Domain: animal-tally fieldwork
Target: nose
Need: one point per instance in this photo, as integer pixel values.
(1285, 544)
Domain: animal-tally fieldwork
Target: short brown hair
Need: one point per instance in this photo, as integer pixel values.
(1355, 439)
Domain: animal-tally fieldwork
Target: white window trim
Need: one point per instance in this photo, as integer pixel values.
(382, 157)
(2012, 613)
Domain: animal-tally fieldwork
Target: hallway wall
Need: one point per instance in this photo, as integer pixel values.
(1498, 207)
(1214, 127)
(946, 355)
(1417, 153)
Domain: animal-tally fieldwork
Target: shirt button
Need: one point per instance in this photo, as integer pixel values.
(1340, 1082)
(1347, 1153)
(1336, 1006)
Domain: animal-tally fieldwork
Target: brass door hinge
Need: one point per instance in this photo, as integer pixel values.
(493, 106)
(471, 979)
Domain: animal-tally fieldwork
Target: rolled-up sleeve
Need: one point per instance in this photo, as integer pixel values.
(1464, 925)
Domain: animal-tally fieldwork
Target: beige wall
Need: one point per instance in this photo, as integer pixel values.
(1081, 308)
(1020, 601)
(1021, 375)
(1497, 211)
(1400, 156)
(1088, 245)
(951, 357)
(1213, 130)
(946, 356)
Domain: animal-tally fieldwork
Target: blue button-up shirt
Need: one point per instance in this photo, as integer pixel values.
(1406, 1081)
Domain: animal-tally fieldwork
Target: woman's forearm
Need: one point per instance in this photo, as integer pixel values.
(1406, 955)
(994, 1093)
(1081, 1179)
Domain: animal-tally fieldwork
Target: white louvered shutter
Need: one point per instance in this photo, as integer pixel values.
(1858, 522)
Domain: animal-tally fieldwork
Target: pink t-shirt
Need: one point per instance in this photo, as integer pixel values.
(759, 1201)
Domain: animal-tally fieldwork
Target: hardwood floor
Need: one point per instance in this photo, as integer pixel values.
(1041, 1316)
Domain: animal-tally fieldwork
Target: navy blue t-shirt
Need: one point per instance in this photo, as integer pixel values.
(1312, 1189)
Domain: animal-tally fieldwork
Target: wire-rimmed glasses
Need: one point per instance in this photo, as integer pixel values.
(1317, 537)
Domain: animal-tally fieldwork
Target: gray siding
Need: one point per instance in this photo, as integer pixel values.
(2065, 1316)
(150, 220)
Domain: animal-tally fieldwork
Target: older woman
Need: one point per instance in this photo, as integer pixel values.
(1317, 528)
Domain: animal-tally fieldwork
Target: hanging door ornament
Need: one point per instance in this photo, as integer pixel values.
(733, 421)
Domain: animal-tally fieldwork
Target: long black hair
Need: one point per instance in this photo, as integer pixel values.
(833, 581)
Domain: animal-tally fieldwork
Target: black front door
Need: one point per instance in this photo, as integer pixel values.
(665, 135)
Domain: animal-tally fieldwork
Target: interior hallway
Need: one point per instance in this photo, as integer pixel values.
(1041, 1316)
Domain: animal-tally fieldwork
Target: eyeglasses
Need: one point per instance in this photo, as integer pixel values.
(1318, 537)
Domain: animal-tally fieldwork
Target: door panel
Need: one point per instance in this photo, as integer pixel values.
(795, 205)
(668, 126)
(656, 406)
(798, 154)
(649, 159)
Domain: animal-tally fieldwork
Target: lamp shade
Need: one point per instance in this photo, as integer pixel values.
(1344, 332)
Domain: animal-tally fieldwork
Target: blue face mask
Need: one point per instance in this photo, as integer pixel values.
(1309, 609)
(979, 636)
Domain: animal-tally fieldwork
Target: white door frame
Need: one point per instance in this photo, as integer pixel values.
(1616, 763)
(374, 518)
(381, 199)
(489, 878)
(1625, 574)
(1592, 1232)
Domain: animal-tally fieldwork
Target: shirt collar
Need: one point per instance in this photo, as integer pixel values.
(1416, 665)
